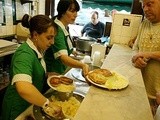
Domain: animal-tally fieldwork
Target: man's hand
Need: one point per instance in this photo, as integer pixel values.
(140, 63)
(140, 60)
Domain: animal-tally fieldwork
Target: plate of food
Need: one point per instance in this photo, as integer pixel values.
(61, 83)
(106, 79)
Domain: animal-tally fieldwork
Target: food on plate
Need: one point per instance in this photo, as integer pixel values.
(61, 83)
(66, 81)
(50, 110)
(116, 81)
(99, 76)
(55, 81)
(65, 88)
(106, 79)
(69, 107)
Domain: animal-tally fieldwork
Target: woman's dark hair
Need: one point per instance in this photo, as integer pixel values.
(64, 5)
(38, 23)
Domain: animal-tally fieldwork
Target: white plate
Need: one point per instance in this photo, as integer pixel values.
(57, 88)
(102, 86)
(108, 87)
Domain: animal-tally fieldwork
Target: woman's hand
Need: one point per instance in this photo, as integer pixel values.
(75, 53)
(51, 74)
(85, 69)
(54, 111)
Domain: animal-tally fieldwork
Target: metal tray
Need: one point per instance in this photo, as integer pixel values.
(40, 115)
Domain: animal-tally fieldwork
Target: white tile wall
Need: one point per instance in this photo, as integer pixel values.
(41, 8)
(9, 28)
(3, 30)
(21, 9)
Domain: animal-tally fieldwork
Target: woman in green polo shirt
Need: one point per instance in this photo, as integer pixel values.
(28, 69)
(57, 56)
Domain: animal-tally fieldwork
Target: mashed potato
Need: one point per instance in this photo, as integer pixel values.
(116, 81)
(65, 88)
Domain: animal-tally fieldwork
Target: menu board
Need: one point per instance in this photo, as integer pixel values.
(124, 28)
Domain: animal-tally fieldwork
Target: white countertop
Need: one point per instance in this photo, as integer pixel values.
(130, 103)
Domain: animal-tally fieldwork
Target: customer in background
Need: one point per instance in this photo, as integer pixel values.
(95, 28)
(57, 57)
(28, 70)
(147, 50)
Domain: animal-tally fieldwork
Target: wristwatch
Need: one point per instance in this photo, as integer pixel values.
(45, 105)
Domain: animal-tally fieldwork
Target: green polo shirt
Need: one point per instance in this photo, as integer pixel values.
(60, 47)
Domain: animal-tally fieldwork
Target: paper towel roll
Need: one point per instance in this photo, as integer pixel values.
(96, 59)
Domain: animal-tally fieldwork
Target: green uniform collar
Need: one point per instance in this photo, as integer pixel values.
(59, 23)
(40, 56)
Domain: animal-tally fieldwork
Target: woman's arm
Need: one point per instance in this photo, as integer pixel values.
(74, 63)
(29, 92)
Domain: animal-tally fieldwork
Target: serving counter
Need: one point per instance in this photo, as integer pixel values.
(130, 103)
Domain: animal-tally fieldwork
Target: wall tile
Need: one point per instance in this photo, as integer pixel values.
(9, 28)
(41, 9)
(4, 30)
(8, 2)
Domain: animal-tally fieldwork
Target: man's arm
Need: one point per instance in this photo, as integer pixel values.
(83, 30)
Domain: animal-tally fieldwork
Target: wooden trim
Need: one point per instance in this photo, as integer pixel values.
(52, 8)
(47, 7)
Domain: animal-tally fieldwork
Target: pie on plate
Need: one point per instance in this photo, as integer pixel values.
(99, 76)
(106, 79)
(61, 83)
